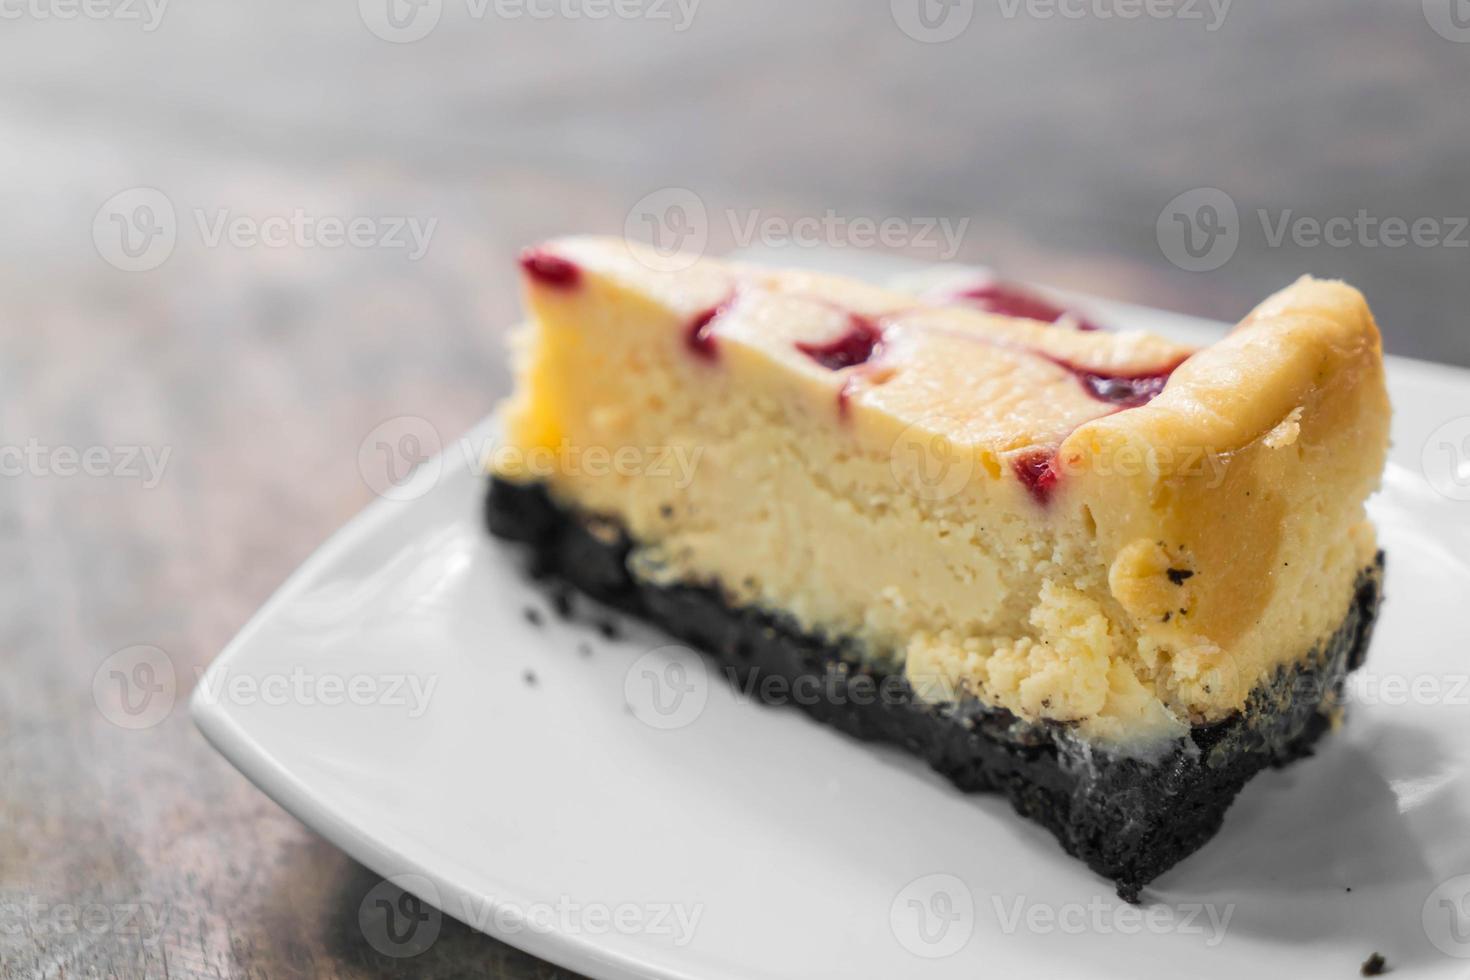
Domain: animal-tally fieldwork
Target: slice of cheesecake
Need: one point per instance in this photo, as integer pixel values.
(1107, 575)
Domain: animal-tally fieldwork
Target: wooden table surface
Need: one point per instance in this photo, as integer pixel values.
(174, 440)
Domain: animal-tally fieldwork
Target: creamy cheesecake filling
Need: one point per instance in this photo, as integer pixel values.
(1078, 527)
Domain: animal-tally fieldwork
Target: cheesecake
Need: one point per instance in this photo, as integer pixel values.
(1105, 574)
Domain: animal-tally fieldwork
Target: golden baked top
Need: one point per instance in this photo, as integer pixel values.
(1104, 528)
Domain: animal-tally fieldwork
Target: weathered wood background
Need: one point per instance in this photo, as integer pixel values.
(259, 368)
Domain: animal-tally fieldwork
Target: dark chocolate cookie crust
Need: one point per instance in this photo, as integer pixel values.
(1129, 819)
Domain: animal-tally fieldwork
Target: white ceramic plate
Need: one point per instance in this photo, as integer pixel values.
(619, 836)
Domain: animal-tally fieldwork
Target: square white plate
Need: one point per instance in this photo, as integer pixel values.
(536, 790)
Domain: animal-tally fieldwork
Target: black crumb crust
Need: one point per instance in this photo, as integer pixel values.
(1130, 820)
